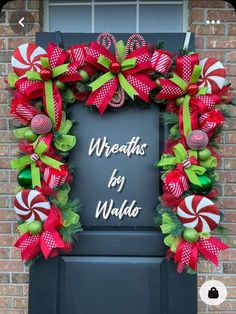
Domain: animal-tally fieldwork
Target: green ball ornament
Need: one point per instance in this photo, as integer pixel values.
(35, 227)
(206, 187)
(204, 154)
(179, 101)
(190, 235)
(30, 136)
(24, 178)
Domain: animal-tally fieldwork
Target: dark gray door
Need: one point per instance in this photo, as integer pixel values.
(119, 266)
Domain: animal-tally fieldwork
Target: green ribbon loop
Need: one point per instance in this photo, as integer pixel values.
(187, 126)
(179, 82)
(34, 76)
(60, 69)
(127, 86)
(65, 142)
(45, 62)
(20, 132)
(40, 148)
(23, 228)
(12, 79)
(167, 225)
(101, 81)
(196, 73)
(180, 152)
(121, 50)
(49, 101)
(70, 218)
(128, 64)
(104, 62)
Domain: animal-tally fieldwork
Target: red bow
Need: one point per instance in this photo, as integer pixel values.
(176, 183)
(182, 85)
(46, 242)
(187, 253)
(135, 76)
(37, 85)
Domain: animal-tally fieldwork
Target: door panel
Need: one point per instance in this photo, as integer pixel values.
(118, 266)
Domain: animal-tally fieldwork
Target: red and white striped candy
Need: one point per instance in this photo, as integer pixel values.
(31, 205)
(213, 75)
(198, 212)
(175, 183)
(27, 58)
(41, 124)
(160, 61)
(54, 178)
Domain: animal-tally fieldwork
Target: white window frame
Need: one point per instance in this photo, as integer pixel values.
(92, 3)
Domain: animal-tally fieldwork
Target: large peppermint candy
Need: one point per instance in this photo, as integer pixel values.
(41, 124)
(197, 140)
(31, 205)
(27, 58)
(213, 75)
(198, 212)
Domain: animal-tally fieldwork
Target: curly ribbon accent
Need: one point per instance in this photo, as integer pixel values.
(63, 141)
(192, 170)
(118, 98)
(47, 242)
(41, 146)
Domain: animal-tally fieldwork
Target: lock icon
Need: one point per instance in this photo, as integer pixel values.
(213, 293)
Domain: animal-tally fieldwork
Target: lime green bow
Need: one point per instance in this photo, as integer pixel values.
(39, 149)
(63, 141)
(125, 65)
(182, 155)
(184, 85)
(48, 84)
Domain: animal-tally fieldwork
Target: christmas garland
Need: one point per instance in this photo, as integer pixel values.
(44, 82)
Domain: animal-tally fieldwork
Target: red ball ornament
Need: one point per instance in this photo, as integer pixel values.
(46, 74)
(192, 89)
(41, 124)
(115, 67)
(197, 140)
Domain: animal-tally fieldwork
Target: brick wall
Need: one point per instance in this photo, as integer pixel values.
(219, 40)
(13, 274)
(211, 40)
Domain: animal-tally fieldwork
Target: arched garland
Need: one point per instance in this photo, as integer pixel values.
(43, 83)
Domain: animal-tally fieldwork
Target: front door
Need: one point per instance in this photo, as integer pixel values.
(119, 265)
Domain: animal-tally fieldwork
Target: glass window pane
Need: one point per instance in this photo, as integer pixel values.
(72, 19)
(115, 18)
(162, 18)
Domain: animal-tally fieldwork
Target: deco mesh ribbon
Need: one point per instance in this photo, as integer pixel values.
(108, 73)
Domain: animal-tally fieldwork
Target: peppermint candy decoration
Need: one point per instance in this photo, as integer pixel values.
(31, 205)
(197, 140)
(27, 58)
(213, 75)
(41, 124)
(199, 213)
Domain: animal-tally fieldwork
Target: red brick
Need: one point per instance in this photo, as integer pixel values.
(218, 54)
(11, 266)
(229, 164)
(199, 42)
(230, 216)
(230, 69)
(221, 42)
(16, 4)
(227, 203)
(197, 15)
(11, 290)
(231, 29)
(206, 267)
(230, 190)
(5, 228)
(6, 215)
(4, 254)
(207, 4)
(15, 42)
(21, 303)
(227, 151)
(5, 302)
(33, 4)
(222, 15)
(205, 29)
(226, 306)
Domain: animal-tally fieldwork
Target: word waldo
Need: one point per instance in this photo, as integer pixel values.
(101, 147)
